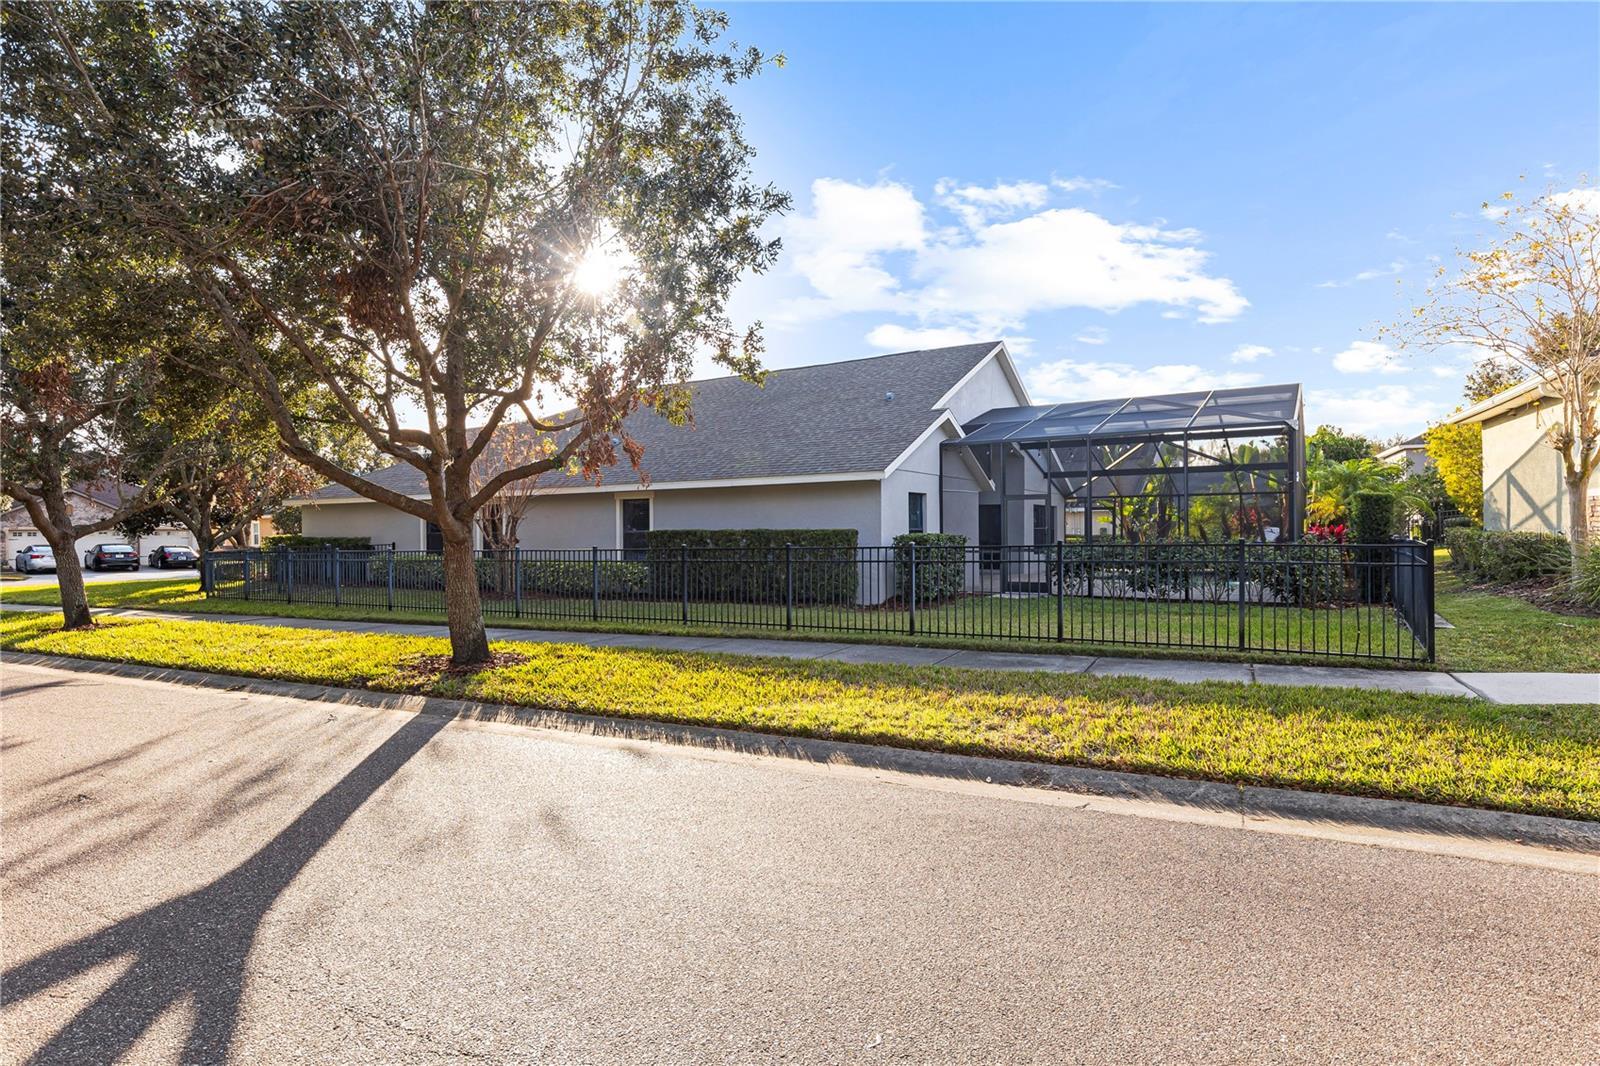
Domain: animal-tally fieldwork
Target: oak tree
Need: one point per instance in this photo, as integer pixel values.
(446, 215)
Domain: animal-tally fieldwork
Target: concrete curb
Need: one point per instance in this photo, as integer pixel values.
(1246, 802)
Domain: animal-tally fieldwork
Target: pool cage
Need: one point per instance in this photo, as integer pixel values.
(1223, 464)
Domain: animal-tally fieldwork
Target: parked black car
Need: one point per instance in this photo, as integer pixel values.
(111, 557)
(168, 556)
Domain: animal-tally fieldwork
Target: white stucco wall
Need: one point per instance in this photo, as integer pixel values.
(987, 389)
(384, 525)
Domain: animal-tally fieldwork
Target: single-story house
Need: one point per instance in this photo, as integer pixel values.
(847, 445)
(1523, 487)
(88, 501)
(944, 440)
(1411, 456)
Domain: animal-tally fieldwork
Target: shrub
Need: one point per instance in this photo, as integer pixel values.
(576, 578)
(750, 565)
(941, 565)
(1371, 517)
(299, 542)
(1498, 557)
(1586, 586)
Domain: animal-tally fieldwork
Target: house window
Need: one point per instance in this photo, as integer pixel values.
(1043, 524)
(433, 538)
(917, 519)
(635, 524)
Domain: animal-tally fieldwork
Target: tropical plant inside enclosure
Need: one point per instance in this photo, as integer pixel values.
(1334, 486)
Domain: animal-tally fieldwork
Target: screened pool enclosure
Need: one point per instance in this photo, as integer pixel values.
(1223, 464)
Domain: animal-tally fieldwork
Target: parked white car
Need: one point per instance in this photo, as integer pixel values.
(36, 557)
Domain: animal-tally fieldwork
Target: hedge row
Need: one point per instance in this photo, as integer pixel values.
(296, 541)
(753, 566)
(1492, 556)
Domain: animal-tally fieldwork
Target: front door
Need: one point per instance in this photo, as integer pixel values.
(635, 524)
(990, 535)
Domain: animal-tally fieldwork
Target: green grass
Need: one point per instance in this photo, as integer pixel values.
(1193, 631)
(1496, 632)
(1428, 748)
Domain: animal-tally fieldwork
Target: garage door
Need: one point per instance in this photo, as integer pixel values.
(152, 541)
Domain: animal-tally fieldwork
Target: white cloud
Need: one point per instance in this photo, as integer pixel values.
(1369, 357)
(1069, 257)
(1082, 184)
(1395, 268)
(896, 338)
(1249, 353)
(1072, 379)
(1376, 412)
(840, 246)
(1584, 201)
(1093, 335)
(977, 204)
(871, 248)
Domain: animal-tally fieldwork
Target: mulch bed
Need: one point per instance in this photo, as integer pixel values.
(1545, 593)
(431, 667)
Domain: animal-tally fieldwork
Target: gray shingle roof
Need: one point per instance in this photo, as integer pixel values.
(830, 418)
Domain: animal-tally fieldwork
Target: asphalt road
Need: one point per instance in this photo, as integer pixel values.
(204, 876)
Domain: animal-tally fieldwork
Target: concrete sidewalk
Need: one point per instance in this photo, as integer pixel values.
(1494, 687)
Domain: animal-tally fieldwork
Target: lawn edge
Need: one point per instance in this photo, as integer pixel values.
(1249, 803)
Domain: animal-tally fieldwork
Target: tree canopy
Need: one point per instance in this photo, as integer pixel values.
(448, 218)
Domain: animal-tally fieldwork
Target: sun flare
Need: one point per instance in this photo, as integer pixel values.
(598, 272)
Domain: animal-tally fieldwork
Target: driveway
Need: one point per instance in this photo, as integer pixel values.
(206, 876)
(144, 573)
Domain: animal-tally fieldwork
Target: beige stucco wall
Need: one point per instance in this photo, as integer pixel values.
(1522, 486)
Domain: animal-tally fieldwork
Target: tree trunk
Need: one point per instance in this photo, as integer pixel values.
(469, 643)
(69, 579)
(1578, 527)
(204, 546)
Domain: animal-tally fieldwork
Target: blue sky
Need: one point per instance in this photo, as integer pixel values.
(1141, 198)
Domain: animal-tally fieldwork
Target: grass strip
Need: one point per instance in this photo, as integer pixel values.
(1436, 749)
(183, 595)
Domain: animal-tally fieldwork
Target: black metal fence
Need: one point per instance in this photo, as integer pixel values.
(1301, 598)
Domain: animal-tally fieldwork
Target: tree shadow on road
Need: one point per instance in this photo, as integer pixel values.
(194, 947)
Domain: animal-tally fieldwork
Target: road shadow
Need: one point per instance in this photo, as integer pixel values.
(195, 947)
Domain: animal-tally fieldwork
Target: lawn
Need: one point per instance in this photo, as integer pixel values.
(1433, 749)
(1496, 632)
(1021, 623)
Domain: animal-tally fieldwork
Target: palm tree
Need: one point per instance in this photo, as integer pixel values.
(1333, 485)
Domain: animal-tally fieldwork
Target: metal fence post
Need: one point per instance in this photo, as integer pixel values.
(338, 580)
(1242, 641)
(247, 575)
(788, 586)
(683, 578)
(913, 586)
(594, 586)
(394, 559)
(1061, 591)
(288, 581)
(516, 582)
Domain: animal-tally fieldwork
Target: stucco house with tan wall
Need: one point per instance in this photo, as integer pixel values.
(1523, 487)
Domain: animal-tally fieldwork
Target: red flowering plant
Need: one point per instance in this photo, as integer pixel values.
(1327, 534)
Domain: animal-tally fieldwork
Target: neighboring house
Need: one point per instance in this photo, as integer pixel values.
(1411, 456)
(1523, 488)
(848, 445)
(88, 501)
